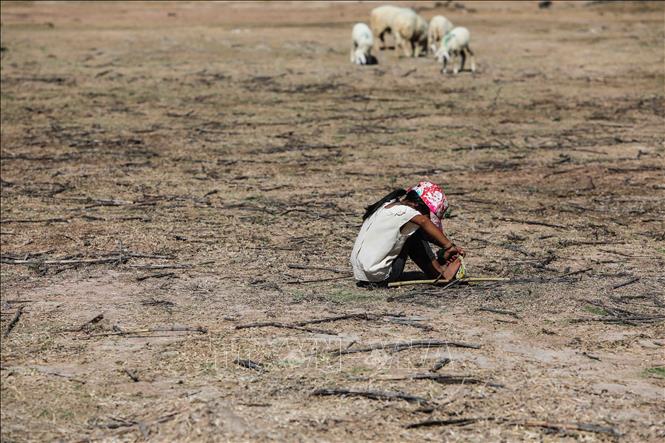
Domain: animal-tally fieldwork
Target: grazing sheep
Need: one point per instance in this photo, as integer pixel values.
(455, 43)
(381, 22)
(361, 45)
(423, 28)
(410, 32)
(439, 26)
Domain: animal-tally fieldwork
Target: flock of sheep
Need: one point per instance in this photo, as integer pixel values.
(413, 35)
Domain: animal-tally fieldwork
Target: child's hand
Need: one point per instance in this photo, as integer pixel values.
(452, 252)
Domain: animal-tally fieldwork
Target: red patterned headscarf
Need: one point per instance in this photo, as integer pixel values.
(432, 195)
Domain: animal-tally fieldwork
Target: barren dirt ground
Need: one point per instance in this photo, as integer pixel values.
(172, 171)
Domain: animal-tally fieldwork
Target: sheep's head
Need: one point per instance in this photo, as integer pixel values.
(359, 57)
(363, 55)
(442, 54)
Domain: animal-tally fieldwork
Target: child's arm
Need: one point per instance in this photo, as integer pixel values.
(438, 236)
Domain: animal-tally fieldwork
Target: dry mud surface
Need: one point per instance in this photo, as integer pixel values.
(170, 171)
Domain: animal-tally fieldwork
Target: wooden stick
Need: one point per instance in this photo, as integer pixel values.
(13, 321)
(401, 346)
(499, 311)
(630, 282)
(318, 268)
(131, 374)
(358, 316)
(440, 364)
(397, 284)
(163, 274)
(454, 422)
(586, 427)
(297, 282)
(374, 395)
(275, 324)
(249, 364)
(199, 329)
(440, 378)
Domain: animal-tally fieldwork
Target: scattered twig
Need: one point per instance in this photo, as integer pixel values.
(401, 346)
(92, 321)
(592, 357)
(131, 374)
(408, 73)
(297, 282)
(499, 311)
(13, 321)
(358, 316)
(440, 364)
(161, 275)
(447, 283)
(629, 282)
(586, 427)
(85, 261)
(532, 222)
(374, 395)
(197, 329)
(453, 422)
(443, 379)
(44, 220)
(250, 364)
(275, 324)
(318, 268)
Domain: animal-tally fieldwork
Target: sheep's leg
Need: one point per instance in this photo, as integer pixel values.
(401, 43)
(415, 49)
(473, 59)
(407, 46)
(353, 47)
(462, 55)
(444, 70)
(382, 45)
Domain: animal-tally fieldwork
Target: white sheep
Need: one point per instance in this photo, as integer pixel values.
(410, 32)
(438, 27)
(381, 22)
(361, 45)
(455, 43)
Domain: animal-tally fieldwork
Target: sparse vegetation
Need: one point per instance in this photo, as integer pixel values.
(164, 164)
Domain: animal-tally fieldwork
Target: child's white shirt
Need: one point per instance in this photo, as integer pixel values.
(380, 241)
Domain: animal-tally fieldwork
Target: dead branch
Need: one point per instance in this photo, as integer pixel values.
(197, 329)
(453, 422)
(318, 268)
(297, 282)
(442, 379)
(89, 261)
(250, 364)
(440, 364)
(95, 319)
(14, 321)
(401, 346)
(44, 220)
(447, 283)
(285, 326)
(359, 316)
(560, 427)
(164, 274)
(586, 427)
(131, 374)
(629, 282)
(499, 311)
(532, 222)
(374, 395)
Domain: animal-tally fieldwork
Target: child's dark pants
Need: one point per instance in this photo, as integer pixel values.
(418, 249)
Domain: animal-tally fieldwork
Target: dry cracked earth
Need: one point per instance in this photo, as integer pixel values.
(182, 185)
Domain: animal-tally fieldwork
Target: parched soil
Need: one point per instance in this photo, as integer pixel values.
(172, 172)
